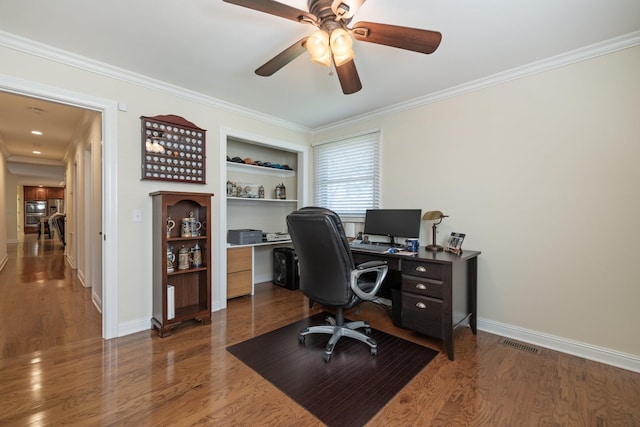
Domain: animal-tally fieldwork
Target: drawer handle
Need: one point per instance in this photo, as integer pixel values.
(421, 287)
(421, 305)
(421, 269)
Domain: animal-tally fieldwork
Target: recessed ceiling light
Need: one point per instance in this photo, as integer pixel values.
(36, 152)
(36, 132)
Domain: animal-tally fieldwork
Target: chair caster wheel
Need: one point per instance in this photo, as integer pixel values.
(327, 358)
(374, 351)
(367, 331)
(301, 339)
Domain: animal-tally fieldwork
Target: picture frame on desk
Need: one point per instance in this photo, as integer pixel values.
(454, 244)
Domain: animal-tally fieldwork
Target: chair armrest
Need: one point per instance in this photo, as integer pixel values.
(370, 264)
(379, 267)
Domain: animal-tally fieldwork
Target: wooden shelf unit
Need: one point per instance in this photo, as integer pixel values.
(192, 296)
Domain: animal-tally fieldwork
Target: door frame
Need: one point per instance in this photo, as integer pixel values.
(108, 109)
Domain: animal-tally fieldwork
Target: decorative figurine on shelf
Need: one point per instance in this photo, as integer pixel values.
(170, 225)
(186, 227)
(230, 186)
(278, 190)
(183, 258)
(261, 192)
(171, 258)
(283, 191)
(196, 255)
(194, 225)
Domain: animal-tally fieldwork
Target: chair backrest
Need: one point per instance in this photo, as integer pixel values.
(324, 257)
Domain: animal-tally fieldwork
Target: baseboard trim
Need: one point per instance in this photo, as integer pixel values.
(587, 351)
(134, 326)
(4, 261)
(97, 301)
(80, 275)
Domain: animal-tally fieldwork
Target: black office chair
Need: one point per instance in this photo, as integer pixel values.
(329, 276)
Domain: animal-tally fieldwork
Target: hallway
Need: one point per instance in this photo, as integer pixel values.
(43, 303)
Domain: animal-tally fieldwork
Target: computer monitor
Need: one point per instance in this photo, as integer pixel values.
(393, 223)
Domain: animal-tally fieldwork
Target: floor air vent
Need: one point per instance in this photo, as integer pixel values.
(520, 346)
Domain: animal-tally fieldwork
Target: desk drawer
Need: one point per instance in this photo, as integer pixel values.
(423, 269)
(393, 263)
(423, 287)
(422, 314)
(239, 259)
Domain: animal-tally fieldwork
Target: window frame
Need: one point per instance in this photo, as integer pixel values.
(329, 161)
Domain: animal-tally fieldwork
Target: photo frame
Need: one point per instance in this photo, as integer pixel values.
(454, 244)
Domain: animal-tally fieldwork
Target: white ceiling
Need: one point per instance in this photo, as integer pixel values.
(212, 47)
(57, 122)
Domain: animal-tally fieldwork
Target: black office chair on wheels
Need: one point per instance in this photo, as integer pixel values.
(329, 276)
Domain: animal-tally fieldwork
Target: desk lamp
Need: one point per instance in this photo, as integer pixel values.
(432, 216)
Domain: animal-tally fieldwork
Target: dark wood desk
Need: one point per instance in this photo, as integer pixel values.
(431, 292)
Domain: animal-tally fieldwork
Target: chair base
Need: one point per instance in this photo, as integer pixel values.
(337, 331)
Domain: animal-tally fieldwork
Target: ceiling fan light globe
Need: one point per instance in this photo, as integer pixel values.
(342, 59)
(322, 60)
(340, 41)
(341, 46)
(318, 43)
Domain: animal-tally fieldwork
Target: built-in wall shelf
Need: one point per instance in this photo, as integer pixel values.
(253, 199)
(259, 170)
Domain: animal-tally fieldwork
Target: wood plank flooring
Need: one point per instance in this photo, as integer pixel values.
(60, 372)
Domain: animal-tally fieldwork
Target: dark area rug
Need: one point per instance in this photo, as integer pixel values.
(347, 391)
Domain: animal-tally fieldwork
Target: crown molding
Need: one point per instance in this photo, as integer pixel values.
(22, 44)
(51, 53)
(603, 48)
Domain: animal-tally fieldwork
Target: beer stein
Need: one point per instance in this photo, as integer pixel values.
(196, 255)
(170, 225)
(195, 226)
(183, 258)
(186, 227)
(171, 258)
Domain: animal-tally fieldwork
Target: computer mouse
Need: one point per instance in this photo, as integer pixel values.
(393, 250)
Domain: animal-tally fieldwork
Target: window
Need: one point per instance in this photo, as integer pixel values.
(347, 175)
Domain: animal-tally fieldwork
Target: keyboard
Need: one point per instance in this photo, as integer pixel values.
(370, 247)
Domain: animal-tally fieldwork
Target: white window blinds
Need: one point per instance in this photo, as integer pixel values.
(347, 175)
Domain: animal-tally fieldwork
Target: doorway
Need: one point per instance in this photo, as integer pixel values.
(105, 179)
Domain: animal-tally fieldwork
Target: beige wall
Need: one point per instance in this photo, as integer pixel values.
(539, 172)
(134, 239)
(542, 175)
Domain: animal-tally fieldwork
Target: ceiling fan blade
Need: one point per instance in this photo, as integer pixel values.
(417, 40)
(345, 9)
(275, 8)
(283, 58)
(349, 79)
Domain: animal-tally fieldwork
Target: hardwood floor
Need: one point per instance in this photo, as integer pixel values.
(43, 303)
(58, 371)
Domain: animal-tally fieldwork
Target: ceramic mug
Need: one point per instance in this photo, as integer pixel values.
(186, 227)
(184, 259)
(196, 254)
(194, 226)
(412, 245)
(170, 225)
(171, 258)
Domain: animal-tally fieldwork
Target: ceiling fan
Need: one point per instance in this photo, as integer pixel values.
(332, 42)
